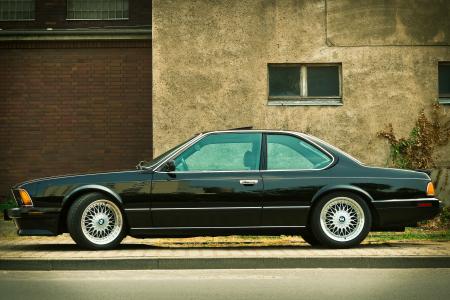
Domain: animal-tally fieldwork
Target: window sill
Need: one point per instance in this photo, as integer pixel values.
(445, 101)
(306, 102)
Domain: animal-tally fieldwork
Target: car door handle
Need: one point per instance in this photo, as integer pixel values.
(248, 181)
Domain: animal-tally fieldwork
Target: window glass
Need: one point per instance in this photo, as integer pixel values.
(286, 152)
(284, 81)
(11, 10)
(97, 9)
(444, 80)
(222, 152)
(323, 81)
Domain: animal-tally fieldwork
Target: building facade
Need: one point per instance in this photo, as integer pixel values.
(341, 70)
(99, 85)
(75, 87)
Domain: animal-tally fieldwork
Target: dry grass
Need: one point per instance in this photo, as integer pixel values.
(233, 241)
(236, 241)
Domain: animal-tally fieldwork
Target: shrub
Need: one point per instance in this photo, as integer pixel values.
(416, 151)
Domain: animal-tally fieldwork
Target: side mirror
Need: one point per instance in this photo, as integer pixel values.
(170, 166)
(140, 165)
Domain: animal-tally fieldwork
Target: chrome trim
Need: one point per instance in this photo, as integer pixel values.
(287, 207)
(204, 208)
(284, 178)
(202, 135)
(332, 147)
(340, 177)
(219, 227)
(227, 208)
(248, 181)
(14, 197)
(137, 209)
(406, 200)
(207, 171)
(195, 139)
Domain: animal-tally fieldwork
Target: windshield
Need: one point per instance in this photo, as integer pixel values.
(161, 157)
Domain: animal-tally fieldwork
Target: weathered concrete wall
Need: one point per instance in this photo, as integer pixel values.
(210, 71)
(441, 179)
(393, 22)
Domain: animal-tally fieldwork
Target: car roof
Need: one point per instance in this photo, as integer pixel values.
(246, 129)
(329, 148)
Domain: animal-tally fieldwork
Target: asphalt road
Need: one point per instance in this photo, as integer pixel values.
(228, 284)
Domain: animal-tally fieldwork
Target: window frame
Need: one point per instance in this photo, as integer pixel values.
(32, 12)
(178, 153)
(312, 144)
(95, 19)
(303, 98)
(159, 168)
(444, 99)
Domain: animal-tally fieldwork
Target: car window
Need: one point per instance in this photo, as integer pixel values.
(160, 157)
(222, 152)
(286, 152)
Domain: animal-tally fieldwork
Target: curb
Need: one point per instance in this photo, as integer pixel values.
(400, 262)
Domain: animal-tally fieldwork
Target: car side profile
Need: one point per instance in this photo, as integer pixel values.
(259, 182)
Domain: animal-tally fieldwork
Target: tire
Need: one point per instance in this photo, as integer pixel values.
(96, 222)
(341, 220)
(308, 236)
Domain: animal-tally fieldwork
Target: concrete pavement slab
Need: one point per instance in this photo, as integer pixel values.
(61, 253)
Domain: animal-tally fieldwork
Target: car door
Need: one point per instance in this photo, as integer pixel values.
(293, 173)
(216, 183)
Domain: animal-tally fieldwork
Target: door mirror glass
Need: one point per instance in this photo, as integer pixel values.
(169, 166)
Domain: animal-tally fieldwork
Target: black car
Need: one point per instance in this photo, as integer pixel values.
(260, 182)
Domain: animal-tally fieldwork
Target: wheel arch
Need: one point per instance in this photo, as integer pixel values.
(345, 188)
(70, 198)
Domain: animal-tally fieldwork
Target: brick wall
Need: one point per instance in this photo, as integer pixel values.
(68, 107)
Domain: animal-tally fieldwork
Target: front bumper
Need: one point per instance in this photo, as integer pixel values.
(35, 220)
(406, 212)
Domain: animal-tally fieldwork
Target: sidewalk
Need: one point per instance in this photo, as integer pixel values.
(47, 253)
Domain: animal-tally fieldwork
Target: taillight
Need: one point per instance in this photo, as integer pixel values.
(430, 189)
(25, 197)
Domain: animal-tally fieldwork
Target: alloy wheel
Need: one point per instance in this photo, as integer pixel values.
(342, 219)
(101, 222)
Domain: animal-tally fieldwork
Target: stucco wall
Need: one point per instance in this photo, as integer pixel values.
(210, 68)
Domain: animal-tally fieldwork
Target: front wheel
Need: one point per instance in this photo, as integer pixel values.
(96, 222)
(341, 220)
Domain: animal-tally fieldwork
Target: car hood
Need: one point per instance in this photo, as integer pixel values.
(79, 178)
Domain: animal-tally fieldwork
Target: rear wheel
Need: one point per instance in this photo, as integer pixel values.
(341, 220)
(309, 237)
(96, 222)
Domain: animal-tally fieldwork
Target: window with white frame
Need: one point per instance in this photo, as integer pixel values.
(305, 84)
(17, 10)
(97, 9)
(444, 82)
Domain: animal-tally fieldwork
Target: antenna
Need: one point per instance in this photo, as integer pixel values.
(242, 128)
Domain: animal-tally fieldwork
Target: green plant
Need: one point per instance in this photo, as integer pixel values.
(8, 203)
(416, 151)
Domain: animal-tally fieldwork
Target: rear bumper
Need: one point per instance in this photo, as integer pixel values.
(406, 212)
(35, 220)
